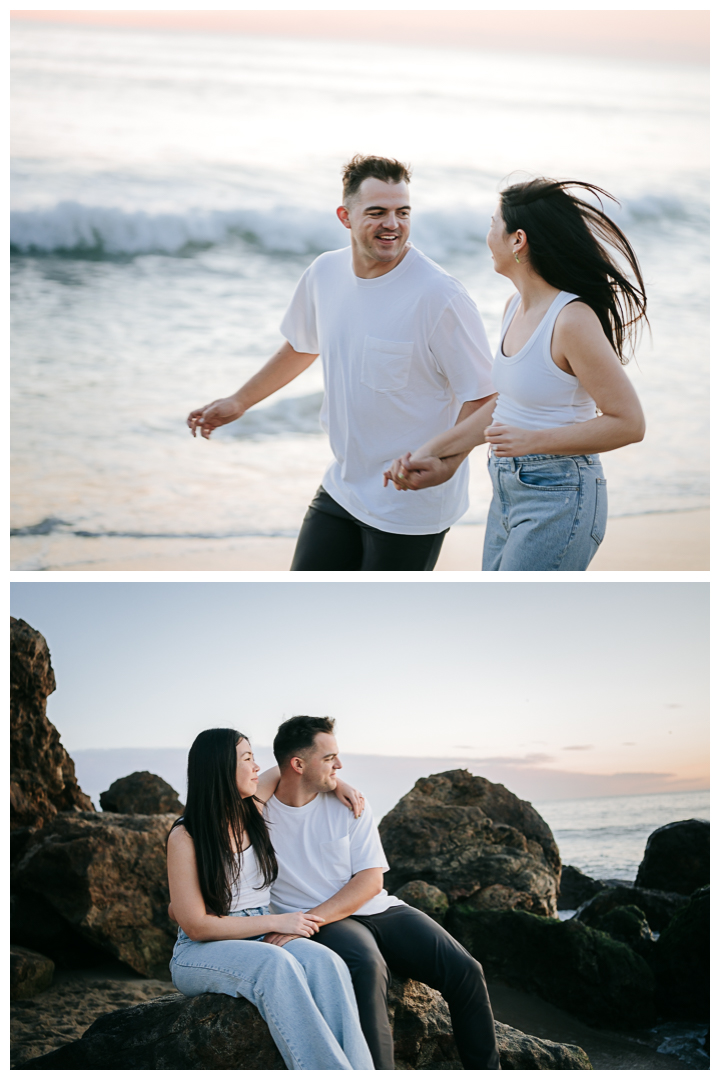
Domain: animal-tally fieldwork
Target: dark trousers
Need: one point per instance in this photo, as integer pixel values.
(332, 539)
(408, 943)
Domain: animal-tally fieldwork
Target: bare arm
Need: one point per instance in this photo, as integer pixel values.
(348, 795)
(438, 459)
(188, 906)
(359, 889)
(581, 348)
(281, 369)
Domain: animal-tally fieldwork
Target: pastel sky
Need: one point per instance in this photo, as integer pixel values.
(653, 35)
(596, 679)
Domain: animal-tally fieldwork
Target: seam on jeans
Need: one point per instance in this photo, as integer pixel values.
(285, 1039)
(581, 490)
(214, 967)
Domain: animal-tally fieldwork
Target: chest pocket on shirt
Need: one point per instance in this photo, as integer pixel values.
(336, 859)
(386, 364)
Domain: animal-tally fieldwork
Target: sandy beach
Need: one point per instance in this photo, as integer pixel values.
(77, 998)
(644, 542)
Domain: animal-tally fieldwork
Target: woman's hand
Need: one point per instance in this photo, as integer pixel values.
(509, 441)
(298, 924)
(350, 797)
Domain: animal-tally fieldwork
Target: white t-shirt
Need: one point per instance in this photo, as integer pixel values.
(401, 353)
(319, 847)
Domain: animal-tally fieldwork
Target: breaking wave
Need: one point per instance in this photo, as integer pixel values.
(81, 231)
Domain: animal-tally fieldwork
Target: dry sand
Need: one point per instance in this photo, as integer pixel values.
(64, 1011)
(646, 542)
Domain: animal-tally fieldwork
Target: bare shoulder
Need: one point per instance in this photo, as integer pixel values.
(180, 839)
(577, 317)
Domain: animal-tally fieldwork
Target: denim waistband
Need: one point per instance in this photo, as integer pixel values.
(529, 459)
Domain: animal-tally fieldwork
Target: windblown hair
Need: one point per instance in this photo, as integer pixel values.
(572, 246)
(361, 168)
(297, 734)
(217, 817)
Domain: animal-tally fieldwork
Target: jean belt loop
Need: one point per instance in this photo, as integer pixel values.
(589, 459)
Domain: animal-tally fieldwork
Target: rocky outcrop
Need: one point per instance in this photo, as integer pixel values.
(682, 961)
(30, 973)
(42, 775)
(97, 880)
(677, 857)
(629, 925)
(141, 793)
(576, 888)
(657, 907)
(465, 835)
(579, 969)
(213, 1031)
(425, 898)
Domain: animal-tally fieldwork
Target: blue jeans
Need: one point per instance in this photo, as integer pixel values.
(548, 512)
(303, 992)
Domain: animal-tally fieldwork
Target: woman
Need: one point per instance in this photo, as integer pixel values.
(563, 397)
(220, 868)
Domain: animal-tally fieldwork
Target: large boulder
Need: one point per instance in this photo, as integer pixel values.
(681, 961)
(141, 793)
(629, 925)
(424, 897)
(465, 835)
(658, 907)
(575, 888)
(42, 775)
(214, 1031)
(30, 972)
(579, 969)
(100, 879)
(677, 857)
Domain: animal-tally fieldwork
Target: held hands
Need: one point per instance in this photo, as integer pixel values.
(507, 441)
(293, 926)
(412, 474)
(350, 797)
(214, 415)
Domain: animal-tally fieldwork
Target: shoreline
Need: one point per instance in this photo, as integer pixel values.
(664, 541)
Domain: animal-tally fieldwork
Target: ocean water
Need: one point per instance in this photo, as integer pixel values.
(168, 189)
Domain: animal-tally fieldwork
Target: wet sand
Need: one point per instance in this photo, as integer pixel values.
(77, 998)
(646, 542)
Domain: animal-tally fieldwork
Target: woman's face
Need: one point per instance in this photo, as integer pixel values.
(247, 771)
(499, 242)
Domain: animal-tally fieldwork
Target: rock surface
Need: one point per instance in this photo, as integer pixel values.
(42, 775)
(629, 925)
(64, 1012)
(576, 888)
(213, 1031)
(682, 961)
(579, 969)
(424, 897)
(30, 972)
(100, 879)
(464, 835)
(141, 793)
(677, 857)
(658, 907)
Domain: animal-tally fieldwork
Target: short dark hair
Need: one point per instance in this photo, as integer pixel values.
(362, 167)
(298, 733)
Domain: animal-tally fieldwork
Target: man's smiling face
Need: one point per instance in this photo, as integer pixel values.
(378, 216)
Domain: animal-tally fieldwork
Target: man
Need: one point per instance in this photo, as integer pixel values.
(332, 864)
(405, 356)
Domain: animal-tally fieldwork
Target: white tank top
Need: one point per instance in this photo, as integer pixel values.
(533, 392)
(245, 893)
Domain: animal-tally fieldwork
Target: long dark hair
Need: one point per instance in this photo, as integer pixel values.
(571, 246)
(217, 816)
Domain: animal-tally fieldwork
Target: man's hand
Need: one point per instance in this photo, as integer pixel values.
(412, 474)
(509, 441)
(214, 415)
(350, 797)
(279, 939)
